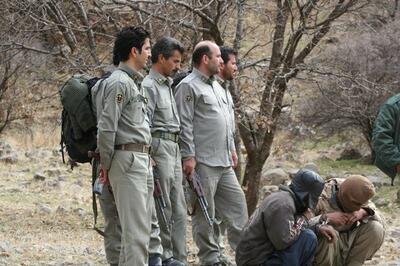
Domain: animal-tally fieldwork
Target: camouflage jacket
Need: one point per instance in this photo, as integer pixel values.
(328, 203)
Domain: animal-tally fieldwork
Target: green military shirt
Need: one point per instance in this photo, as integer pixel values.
(123, 119)
(206, 130)
(161, 107)
(229, 108)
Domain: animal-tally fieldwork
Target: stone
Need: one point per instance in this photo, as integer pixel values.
(395, 234)
(45, 209)
(79, 183)
(381, 202)
(10, 158)
(5, 149)
(56, 152)
(350, 153)
(379, 181)
(39, 177)
(275, 177)
(292, 172)
(5, 247)
(54, 184)
(61, 210)
(265, 191)
(311, 166)
(14, 190)
(81, 212)
(52, 172)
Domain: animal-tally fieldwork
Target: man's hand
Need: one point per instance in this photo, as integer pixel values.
(152, 162)
(104, 176)
(328, 232)
(338, 218)
(188, 167)
(234, 159)
(357, 215)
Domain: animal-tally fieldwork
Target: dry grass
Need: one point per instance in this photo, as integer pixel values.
(49, 222)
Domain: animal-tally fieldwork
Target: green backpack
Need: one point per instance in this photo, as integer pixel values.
(78, 122)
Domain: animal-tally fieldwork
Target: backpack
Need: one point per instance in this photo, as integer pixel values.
(79, 126)
(78, 122)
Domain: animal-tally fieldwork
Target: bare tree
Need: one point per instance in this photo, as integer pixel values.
(299, 26)
(274, 45)
(357, 76)
(8, 79)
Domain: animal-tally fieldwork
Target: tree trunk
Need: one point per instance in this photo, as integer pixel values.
(238, 169)
(253, 175)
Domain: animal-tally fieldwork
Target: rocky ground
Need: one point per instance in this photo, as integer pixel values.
(46, 216)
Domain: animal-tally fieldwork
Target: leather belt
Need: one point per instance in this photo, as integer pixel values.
(166, 135)
(133, 147)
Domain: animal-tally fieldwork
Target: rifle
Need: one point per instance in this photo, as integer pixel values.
(159, 199)
(197, 188)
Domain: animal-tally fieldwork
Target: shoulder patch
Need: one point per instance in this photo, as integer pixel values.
(119, 98)
(188, 98)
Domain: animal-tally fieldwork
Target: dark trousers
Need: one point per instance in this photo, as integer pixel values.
(300, 253)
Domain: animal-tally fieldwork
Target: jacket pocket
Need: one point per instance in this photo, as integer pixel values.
(164, 109)
(209, 100)
(138, 112)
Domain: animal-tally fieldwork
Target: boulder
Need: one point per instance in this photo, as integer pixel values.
(265, 191)
(381, 202)
(39, 177)
(379, 181)
(311, 166)
(275, 177)
(350, 153)
(45, 209)
(9, 158)
(52, 172)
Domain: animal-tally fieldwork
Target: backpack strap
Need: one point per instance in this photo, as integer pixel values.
(62, 141)
(95, 165)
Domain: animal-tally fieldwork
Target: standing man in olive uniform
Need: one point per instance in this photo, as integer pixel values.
(165, 127)
(227, 72)
(124, 143)
(206, 146)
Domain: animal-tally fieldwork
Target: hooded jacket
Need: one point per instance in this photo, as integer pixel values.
(277, 223)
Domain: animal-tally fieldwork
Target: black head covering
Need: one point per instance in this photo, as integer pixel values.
(307, 186)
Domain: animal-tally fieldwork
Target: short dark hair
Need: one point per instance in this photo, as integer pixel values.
(165, 46)
(226, 52)
(128, 38)
(199, 52)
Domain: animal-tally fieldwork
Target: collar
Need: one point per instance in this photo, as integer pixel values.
(204, 78)
(133, 74)
(334, 200)
(219, 79)
(160, 78)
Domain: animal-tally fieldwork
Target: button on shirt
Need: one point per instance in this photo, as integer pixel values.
(205, 122)
(161, 107)
(123, 119)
